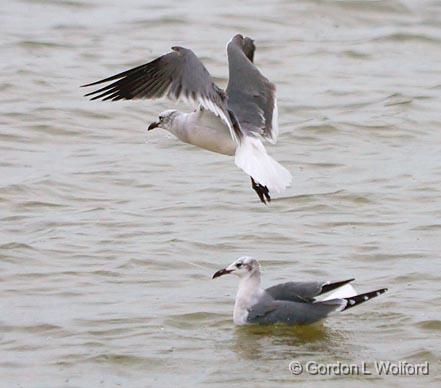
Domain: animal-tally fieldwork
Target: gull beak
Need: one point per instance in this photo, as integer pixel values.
(153, 125)
(222, 272)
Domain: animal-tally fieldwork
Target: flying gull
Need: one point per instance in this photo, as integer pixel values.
(230, 122)
(293, 303)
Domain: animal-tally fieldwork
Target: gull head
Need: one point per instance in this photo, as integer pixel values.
(242, 267)
(165, 120)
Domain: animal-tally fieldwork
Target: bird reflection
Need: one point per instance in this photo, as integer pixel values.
(266, 342)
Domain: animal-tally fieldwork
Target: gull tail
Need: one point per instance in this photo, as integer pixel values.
(344, 291)
(251, 157)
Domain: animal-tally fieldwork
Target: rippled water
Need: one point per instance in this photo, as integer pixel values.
(109, 235)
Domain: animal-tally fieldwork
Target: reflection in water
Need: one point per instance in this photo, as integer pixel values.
(260, 342)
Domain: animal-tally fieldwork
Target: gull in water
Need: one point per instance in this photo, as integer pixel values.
(292, 303)
(231, 122)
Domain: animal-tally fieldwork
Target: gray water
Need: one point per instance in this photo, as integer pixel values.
(109, 234)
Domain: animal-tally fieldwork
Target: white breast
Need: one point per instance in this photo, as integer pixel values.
(247, 296)
(205, 130)
(240, 314)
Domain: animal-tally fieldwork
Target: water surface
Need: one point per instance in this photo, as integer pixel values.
(109, 234)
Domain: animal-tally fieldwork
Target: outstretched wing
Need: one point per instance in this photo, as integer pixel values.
(303, 291)
(251, 96)
(178, 75)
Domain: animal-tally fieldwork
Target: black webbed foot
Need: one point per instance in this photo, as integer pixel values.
(262, 191)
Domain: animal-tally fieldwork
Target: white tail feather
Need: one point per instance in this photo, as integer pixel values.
(346, 291)
(251, 157)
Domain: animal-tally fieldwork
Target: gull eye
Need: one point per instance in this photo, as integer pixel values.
(238, 265)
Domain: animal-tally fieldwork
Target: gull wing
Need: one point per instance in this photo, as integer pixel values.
(292, 313)
(251, 96)
(178, 75)
(249, 48)
(303, 291)
(269, 311)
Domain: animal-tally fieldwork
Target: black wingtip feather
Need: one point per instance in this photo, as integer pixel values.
(361, 298)
(332, 286)
(101, 81)
(122, 74)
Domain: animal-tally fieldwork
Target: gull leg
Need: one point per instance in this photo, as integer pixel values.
(262, 191)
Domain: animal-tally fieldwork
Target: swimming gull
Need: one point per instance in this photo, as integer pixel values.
(230, 122)
(293, 303)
